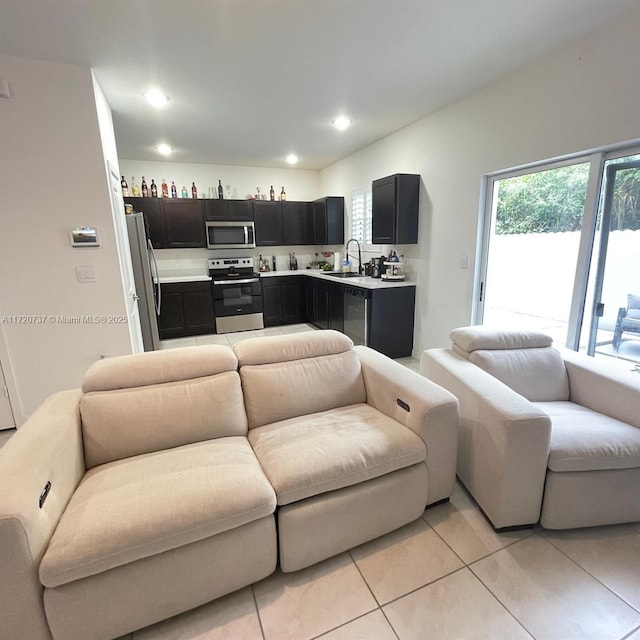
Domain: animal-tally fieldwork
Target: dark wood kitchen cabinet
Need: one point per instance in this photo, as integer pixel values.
(184, 224)
(328, 220)
(324, 304)
(391, 321)
(228, 210)
(186, 310)
(268, 223)
(154, 218)
(283, 299)
(394, 211)
(297, 223)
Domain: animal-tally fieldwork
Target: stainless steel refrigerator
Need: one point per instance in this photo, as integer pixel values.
(145, 275)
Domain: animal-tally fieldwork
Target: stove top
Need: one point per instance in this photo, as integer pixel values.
(231, 268)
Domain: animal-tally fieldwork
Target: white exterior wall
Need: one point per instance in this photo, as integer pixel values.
(52, 178)
(583, 96)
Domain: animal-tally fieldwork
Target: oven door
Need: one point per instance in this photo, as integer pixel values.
(230, 235)
(237, 297)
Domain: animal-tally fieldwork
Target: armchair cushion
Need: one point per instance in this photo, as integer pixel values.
(132, 509)
(584, 440)
(538, 374)
(310, 455)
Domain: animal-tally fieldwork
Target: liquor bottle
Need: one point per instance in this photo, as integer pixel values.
(165, 189)
(194, 190)
(272, 193)
(185, 193)
(174, 190)
(154, 189)
(145, 189)
(135, 192)
(125, 187)
(283, 195)
(220, 190)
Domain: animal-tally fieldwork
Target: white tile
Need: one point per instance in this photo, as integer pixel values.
(461, 525)
(306, 603)
(551, 596)
(177, 342)
(453, 608)
(373, 626)
(213, 339)
(298, 328)
(269, 331)
(410, 363)
(239, 336)
(610, 554)
(233, 616)
(404, 560)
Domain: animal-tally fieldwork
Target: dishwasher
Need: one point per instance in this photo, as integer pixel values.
(356, 314)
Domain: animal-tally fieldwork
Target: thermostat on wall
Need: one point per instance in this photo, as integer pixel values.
(84, 237)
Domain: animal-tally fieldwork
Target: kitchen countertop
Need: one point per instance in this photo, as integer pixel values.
(168, 278)
(365, 282)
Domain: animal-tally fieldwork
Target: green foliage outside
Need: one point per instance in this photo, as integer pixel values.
(553, 201)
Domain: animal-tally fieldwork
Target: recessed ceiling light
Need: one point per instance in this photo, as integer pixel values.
(341, 123)
(164, 149)
(292, 158)
(156, 98)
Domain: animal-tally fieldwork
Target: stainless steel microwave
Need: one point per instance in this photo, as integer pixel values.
(230, 235)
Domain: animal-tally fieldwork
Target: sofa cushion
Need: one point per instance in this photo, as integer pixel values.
(468, 339)
(583, 440)
(288, 376)
(313, 454)
(127, 422)
(537, 374)
(132, 509)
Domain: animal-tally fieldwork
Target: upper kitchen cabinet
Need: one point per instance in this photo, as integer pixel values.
(268, 223)
(228, 209)
(328, 220)
(184, 224)
(297, 223)
(394, 212)
(153, 217)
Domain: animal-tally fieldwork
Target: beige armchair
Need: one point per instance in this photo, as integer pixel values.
(544, 436)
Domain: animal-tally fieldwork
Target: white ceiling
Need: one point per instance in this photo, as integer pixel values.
(253, 80)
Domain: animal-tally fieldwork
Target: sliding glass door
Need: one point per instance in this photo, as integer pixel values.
(559, 251)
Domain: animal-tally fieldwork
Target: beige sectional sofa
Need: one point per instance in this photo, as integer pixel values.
(157, 487)
(544, 436)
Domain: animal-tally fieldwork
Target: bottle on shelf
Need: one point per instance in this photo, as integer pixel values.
(283, 195)
(185, 193)
(272, 193)
(257, 193)
(174, 190)
(145, 189)
(220, 190)
(135, 192)
(273, 263)
(165, 189)
(194, 190)
(154, 189)
(125, 187)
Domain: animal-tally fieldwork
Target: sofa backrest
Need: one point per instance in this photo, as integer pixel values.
(523, 360)
(158, 400)
(298, 374)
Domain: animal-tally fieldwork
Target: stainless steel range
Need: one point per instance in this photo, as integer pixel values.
(237, 294)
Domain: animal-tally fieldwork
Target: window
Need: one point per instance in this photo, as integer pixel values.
(361, 218)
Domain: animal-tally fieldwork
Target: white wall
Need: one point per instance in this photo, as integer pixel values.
(581, 97)
(52, 178)
(299, 184)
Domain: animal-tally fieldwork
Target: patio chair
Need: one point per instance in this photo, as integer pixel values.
(628, 320)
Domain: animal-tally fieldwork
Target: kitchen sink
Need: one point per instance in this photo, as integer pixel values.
(343, 274)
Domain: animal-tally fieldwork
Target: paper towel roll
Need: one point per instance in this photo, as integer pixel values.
(337, 265)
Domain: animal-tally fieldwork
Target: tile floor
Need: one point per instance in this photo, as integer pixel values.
(446, 576)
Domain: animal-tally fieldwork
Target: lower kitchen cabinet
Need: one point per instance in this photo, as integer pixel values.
(390, 322)
(186, 310)
(283, 299)
(324, 304)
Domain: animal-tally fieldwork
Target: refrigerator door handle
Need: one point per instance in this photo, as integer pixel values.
(156, 280)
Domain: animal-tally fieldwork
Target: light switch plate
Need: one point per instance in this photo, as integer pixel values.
(464, 261)
(85, 274)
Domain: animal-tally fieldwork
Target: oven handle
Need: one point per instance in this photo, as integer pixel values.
(245, 281)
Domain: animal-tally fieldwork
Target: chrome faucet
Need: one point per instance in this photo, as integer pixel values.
(346, 252)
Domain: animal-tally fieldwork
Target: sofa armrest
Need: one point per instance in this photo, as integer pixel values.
(420, 405)
(46, 449)
(603, 387)
(504, 440)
